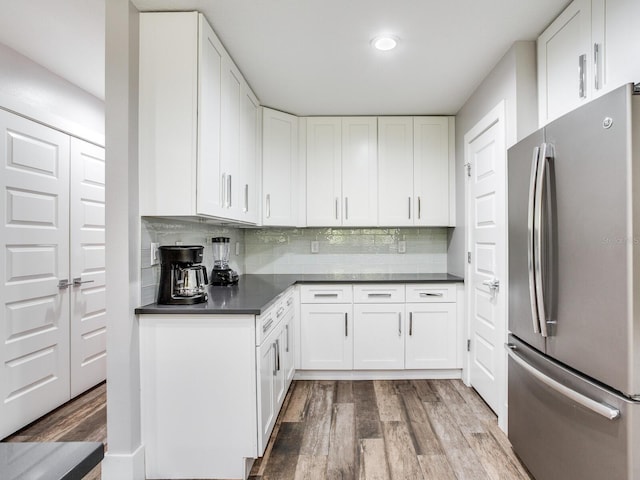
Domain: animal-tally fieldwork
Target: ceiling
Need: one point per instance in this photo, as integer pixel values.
(309, 57)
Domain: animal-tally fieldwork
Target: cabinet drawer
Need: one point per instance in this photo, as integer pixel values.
(425, 293)
(266, 322)
(326, 294)
(378, 293)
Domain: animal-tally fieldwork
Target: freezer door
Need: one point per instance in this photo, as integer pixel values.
(521, 171)
(561, 425)
(588, 221)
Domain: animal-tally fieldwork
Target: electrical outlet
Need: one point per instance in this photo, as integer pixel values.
(315, 246)
(237, 248)
(402, 246)
(154, 254)
(179, 242)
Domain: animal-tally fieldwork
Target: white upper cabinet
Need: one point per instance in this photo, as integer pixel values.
(433, 174)
(415, 171)
(564, 62)
(191, 120)
(341, 171)
(279, 168)
(590, 49)
(249, 154)
(616, 43)
(395, 171)
(359, 171)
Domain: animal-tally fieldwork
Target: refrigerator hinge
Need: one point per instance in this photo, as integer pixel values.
(468, 345)
(468, 257)
(468, 167)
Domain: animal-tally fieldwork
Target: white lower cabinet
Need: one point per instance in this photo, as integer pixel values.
(326, 336)
(432, 339)
(378, 334)
(380, 327)
(271, 383)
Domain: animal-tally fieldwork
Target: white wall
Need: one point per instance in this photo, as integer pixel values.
(125, 456)
(33, 91)
(513, 80)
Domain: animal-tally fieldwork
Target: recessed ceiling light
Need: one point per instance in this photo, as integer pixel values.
(384, 42)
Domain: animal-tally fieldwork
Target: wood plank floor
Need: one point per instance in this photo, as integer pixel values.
(378, 430)
(347, 430)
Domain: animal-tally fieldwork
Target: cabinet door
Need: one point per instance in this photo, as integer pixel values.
(431, 171)
(564, 62)
(431, 336)
(230, 139)
(378, 334)
(326, 337)
(248, 156)
(288, 362)
(359, 171)
(324, 178)
(279, 168)
(395, 171)
(266, 392)
(34, 254)
(615, 43)
(209, 181)
(280, 380)
(88, 318)
(168, 112)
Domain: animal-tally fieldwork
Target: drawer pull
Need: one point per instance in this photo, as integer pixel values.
(289, 301)
(317, 295)
(280, 312)
(424, 294)
(385, 295)
(267, 325)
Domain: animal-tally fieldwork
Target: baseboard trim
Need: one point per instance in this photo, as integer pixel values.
(129, 466)
(377, 374)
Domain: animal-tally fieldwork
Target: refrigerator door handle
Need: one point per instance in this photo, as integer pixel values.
(602, 409)
(530, 226)
(537, 240)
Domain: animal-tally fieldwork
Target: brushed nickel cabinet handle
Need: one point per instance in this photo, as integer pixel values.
(410, 323)
(582, 72)
(346, 324)
(268, 205)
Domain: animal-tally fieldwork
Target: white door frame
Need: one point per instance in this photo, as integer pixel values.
(495, 115)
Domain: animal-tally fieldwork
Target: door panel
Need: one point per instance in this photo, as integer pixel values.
(487, 220)
(34, 247)
(326, 337)
(87, 237)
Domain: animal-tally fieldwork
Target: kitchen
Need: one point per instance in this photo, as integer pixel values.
(448, 244)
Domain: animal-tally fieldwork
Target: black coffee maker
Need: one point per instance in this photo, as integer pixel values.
(182, 280)
(221, 273)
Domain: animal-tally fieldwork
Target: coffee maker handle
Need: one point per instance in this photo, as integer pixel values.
(204, 271)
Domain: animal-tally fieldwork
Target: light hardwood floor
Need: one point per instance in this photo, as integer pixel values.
(347, 430)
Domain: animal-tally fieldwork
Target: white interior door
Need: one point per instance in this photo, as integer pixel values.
(34, 250)
(486, 187)
(87, 257)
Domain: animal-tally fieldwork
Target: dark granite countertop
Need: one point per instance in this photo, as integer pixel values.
(48, 460)
(255, 293)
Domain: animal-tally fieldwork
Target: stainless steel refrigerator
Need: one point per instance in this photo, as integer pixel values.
(574, 293)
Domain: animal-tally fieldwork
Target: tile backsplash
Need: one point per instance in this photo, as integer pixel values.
(288, 250)
(345, 250)
(168, 232)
